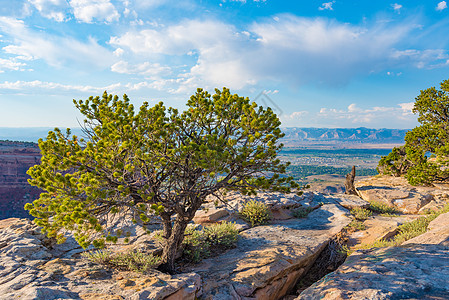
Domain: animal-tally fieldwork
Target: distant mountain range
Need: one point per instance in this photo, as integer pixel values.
(292, 134)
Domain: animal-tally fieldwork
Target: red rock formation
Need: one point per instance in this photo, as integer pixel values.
(15, 159)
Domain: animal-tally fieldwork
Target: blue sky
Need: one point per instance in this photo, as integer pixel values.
(318, 64)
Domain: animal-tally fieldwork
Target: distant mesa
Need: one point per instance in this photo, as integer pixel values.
(15, 159)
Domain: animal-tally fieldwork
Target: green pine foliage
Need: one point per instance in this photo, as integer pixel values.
(153, 161)
(425, 156)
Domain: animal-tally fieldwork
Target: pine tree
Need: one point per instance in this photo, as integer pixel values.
(425, 156)
(155, 161)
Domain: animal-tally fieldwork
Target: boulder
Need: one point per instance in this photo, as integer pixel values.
(210, 215)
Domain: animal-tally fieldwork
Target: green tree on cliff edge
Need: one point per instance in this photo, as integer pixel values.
(425, 156)
(154, 161)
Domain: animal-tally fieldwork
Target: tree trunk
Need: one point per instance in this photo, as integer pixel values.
(349, 183)
(172, 245)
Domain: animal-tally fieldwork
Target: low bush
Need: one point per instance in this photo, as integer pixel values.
(302, 212)
(224, 234)
(135, 261)
(100, 257)
(355, 225)
(382, 208)
(195, 245)
(199, 244)
(361, 214)
(256, 213)
(126, 261)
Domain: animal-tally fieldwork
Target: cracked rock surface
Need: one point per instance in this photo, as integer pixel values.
(266, 263)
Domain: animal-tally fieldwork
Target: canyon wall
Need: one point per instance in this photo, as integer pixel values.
(15, 159)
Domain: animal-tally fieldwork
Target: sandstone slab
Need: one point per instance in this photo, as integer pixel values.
(349, 201)
(415, 271)
(396, 192)
(269, 260)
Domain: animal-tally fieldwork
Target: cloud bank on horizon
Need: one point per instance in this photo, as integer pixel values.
(322, 64)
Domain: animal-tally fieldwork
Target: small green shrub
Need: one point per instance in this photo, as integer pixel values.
(390, 215)
(407, 231)
(382, 208)
(355, 225)
(135, 261)
(199, 244)
(256, 213)
(128, 261)
(412, 229)
(302, 212)
(101, 257)
(195, 245)
(361, 214)
(224, 234)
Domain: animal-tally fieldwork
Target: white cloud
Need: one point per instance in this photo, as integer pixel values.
(10, 64)
(244, 1)
(352, 107)
(89, 10)
(145, 68)
(407, 108)
(372, 117)
(295, 115)
(37, 86)
(389, 73)
(327, 6)
(42, 85)
(118, 52)
(429, 59)
(218, 62)
(397, 7)
(441, 5)
(293, 48)
(272, 92)
(51, 9)
(290, 49)
(28, 45)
